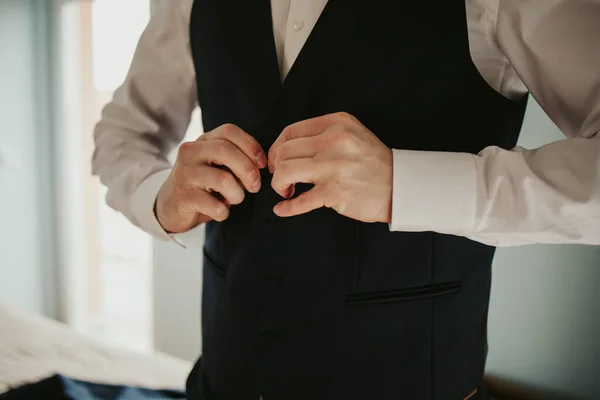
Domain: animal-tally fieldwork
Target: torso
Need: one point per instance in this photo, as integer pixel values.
(320, 306)
(290, 35)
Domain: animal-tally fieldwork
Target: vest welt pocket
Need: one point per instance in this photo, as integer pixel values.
(208, 260)
(404, 294)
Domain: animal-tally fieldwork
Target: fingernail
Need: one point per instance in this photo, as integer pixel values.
(220, 213)
(256, 185)
(262, 162)
(277, 208)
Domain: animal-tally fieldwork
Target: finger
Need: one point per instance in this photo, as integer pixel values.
(306, 128)
(223, 152)
(297, 148)
(206, 204)
(306, 202)
(222, 182)
(244, 141)
(290, 172)
(211, 179)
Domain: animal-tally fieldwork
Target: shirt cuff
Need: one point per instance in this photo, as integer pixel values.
(142, 204)
(434, 191)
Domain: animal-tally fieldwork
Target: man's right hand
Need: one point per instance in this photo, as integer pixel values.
(187, 198)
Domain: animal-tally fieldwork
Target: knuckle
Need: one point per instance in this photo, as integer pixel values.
(287, 132)
(254, 148)
(228, 130)
(223, 147)
(249, 168)
(224, 178)
(344, 115)
(351, 118)
(344, 140)
(186, 149)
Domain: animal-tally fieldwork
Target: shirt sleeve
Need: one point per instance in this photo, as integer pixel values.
(147, 117)
(546, 195)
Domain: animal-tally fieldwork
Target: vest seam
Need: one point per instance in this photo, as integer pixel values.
(431, 343)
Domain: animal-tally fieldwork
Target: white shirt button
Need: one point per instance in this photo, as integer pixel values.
(298, 25)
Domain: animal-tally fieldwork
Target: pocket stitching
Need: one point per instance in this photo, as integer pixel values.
(405, 294)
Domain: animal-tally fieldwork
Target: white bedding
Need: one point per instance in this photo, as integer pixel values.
(34, 347)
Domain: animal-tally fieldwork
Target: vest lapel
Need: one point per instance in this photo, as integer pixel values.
(324, 46)
(248, 40)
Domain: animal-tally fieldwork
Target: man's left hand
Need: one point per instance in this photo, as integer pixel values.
(351, 169)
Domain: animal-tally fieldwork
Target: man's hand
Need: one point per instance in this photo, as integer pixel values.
(351, 169)
(210, 174)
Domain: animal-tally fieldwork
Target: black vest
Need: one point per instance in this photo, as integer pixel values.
(320, 306)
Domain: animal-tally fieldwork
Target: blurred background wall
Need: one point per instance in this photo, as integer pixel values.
(63, 253)
(544, 320)
(27, 259)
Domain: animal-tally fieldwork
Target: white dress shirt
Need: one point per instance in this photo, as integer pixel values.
(549, 48)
